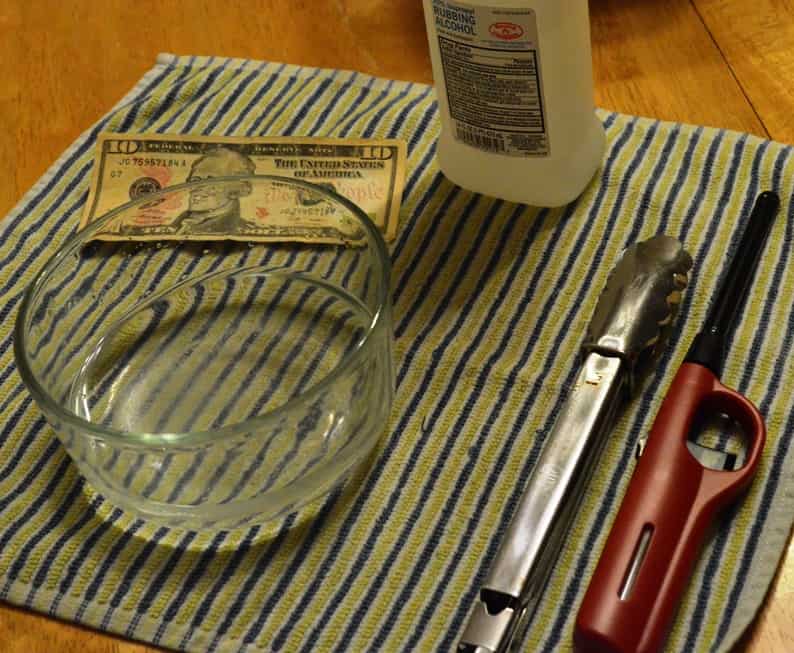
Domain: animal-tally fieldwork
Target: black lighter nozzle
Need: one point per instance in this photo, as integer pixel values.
(709, 345)
(708, 349)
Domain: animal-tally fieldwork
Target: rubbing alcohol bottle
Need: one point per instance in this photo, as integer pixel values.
(515, 93)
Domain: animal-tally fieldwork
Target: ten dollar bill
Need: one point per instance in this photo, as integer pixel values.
(370, 173)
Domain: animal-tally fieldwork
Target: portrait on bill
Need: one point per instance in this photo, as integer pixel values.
(215, 208)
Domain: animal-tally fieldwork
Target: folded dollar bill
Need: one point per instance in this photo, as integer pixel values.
(369, 172)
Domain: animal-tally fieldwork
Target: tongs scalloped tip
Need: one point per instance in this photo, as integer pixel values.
(640, 300)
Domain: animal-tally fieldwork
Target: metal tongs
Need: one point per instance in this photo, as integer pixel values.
(630, 324)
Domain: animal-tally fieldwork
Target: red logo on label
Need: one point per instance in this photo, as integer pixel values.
(506, 31)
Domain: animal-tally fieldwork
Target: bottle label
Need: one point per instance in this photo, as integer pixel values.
(491, 63)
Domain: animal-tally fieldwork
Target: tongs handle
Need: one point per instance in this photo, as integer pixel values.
(529, 548)
(663, 520)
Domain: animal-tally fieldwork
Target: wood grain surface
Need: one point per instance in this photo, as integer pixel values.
(757, 41)
(724, 63)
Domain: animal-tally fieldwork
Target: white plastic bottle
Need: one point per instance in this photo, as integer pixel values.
(515, 92)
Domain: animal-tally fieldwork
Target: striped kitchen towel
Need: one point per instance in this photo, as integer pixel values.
(491, 301)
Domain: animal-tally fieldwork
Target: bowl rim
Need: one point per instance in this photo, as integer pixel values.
(134, 439)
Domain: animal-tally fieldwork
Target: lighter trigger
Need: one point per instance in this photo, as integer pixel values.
(709, 457)
(712, 458)
(710, 434)
(706, 456)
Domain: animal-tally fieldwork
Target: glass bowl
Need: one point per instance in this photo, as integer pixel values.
(213, 384)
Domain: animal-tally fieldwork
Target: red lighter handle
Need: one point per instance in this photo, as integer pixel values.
(657, 534)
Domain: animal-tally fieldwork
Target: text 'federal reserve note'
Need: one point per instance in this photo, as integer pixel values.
(368, 172)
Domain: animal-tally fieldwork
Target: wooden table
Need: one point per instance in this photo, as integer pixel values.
(724, 63)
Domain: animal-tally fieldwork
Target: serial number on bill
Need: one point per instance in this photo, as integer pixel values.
(142, 162)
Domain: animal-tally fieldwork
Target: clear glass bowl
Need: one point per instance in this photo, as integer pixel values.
(212, 384)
